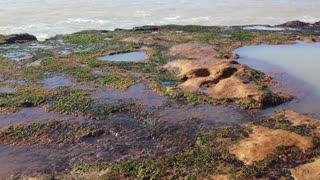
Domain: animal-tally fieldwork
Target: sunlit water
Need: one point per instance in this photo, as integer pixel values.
(46, 18)
(297, 66)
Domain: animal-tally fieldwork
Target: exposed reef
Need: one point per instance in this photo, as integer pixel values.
(184, 110)
(223, 79)
(300, 24)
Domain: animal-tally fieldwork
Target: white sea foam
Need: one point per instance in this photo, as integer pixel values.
(86, 21)
(50, 17)
(173, 18)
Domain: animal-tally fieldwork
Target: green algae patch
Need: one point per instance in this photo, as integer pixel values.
(242, 36)
(8, 68)
(117, 81)
(103, 111)
(83, 38)
(12, 102)
(70, 101)
(285, 125)
(76, 102)
(51, 66)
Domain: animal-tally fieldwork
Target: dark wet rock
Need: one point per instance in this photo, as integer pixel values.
(294, 24)
(317, 23)
(146, 28)
(92, 32)
(231, 56)
(120, 29)
(16, 38)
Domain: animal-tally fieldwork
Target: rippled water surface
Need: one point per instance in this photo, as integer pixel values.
(46, 18)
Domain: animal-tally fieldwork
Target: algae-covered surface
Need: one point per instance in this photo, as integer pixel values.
(168, 102)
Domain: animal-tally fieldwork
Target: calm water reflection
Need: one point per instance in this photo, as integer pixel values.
(297, 66)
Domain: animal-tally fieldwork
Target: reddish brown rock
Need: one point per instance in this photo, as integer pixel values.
(294, 24)
(194, 51)
(264, 141)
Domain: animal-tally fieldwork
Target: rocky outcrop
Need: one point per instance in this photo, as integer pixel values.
(301, 25)
(294, 24)
(282, 130)
(264, 141)
(317, 23)
(308, 39)
(223, 79)
(145, 29)
(16, 38)
(309, 171)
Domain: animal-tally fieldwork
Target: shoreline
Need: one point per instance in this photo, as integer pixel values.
(290, 25)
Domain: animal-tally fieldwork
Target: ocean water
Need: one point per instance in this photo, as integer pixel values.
(45, 18)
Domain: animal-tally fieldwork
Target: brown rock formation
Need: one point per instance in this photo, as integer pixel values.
(298, 119)
(194, 51)
(264, 141)
(310, 171)
(294, 24)
(224, 78)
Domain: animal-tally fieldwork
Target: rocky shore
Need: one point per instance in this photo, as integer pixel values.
(152, 102)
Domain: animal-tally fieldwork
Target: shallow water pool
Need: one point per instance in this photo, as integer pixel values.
(297, 66)
(127, 57)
